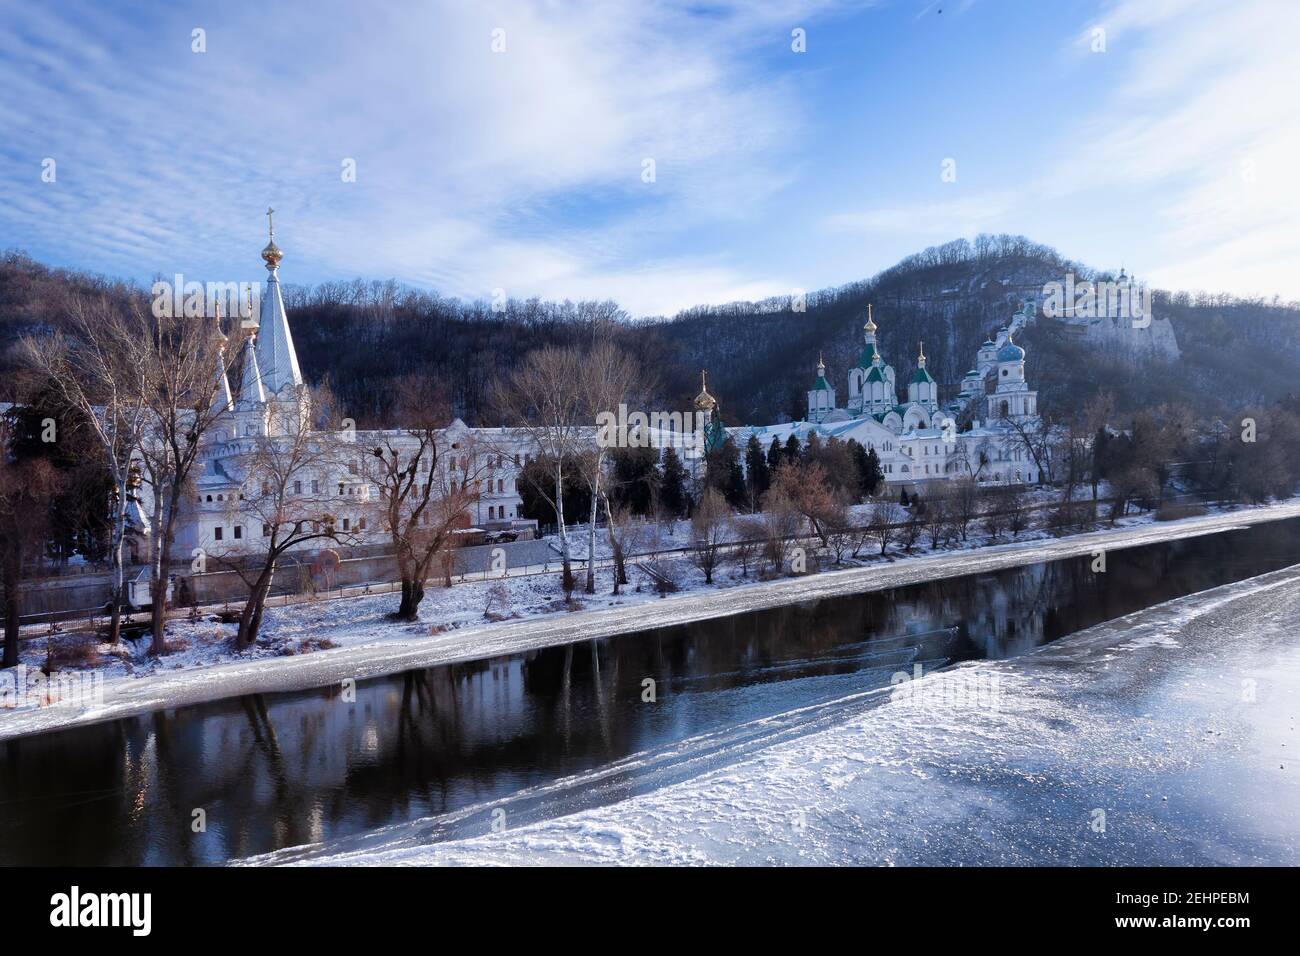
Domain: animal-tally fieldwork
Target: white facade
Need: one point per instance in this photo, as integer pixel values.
(917, 440)
(272, 403)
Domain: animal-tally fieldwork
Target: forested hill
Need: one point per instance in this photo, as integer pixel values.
(761, 356)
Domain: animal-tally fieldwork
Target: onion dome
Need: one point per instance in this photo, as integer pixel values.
(704, 401)
(1011, 352)
(271, 254)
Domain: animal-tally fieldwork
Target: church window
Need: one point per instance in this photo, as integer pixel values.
(266, 531)
(340, 487)
(361, 523)
(209, 497)
(352, 467)
(501, 486)
(315, 486)
(347, 524)
(297, 487)
(216, 533)
(239, 531)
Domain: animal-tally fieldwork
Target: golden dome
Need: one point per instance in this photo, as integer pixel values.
(870, 326)
(704, 401)
(271, 254)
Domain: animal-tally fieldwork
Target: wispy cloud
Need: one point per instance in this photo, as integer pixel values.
(523, 170)
(519, 168)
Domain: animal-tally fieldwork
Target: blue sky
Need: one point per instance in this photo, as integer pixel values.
(1172, 151)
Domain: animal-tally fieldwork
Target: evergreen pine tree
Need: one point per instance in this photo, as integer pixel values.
(756, 471)
(872, 475)
(774, 457)
(672, 489)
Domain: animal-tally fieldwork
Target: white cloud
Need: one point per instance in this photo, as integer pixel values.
(471, 164)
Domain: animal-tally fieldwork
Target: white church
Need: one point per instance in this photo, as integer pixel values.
(917, 440)
(272, 402)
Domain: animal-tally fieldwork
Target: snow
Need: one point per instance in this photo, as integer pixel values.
(1158, 738)
(319, 643)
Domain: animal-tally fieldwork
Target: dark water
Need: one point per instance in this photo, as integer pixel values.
(284, 770)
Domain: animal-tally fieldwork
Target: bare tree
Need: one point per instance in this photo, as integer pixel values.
(883, 522)
(963, 496)
(609, 377)
(429, 480)
(1037, 436)
(782, 522)
(101, 370)
(747, 532)
(841, 535)
(709, 526)
(807, 488)
(187, 395)
(541, 401)
(1019, 518)
(938, 519)
(624, 535)
(287, 482)
(26, 488)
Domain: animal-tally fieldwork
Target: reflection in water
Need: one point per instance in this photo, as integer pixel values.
(294, 769)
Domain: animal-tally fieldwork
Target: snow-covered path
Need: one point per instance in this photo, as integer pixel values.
(385, 648)
(1165, 737)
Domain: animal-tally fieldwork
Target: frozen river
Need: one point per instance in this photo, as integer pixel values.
(1035, 734)
(1167, 737)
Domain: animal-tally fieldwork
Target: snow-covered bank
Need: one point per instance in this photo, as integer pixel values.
(368, 645)
(1164, 737)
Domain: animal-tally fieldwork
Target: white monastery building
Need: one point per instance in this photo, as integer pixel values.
(917, 440)
(272, 403)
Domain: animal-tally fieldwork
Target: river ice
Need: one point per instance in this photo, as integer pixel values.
(1165, 737)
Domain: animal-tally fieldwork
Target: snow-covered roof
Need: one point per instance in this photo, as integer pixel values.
(276, 357)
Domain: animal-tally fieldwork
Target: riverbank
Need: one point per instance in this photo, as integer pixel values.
(378, 647)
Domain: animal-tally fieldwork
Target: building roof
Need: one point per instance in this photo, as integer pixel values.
(276, 357)
(250, 381)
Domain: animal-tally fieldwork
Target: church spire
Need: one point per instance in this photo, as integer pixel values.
(276, 357)
(920, 355)
(250, 382)
(222, 401)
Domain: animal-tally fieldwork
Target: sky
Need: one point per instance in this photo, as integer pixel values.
(662, 154)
